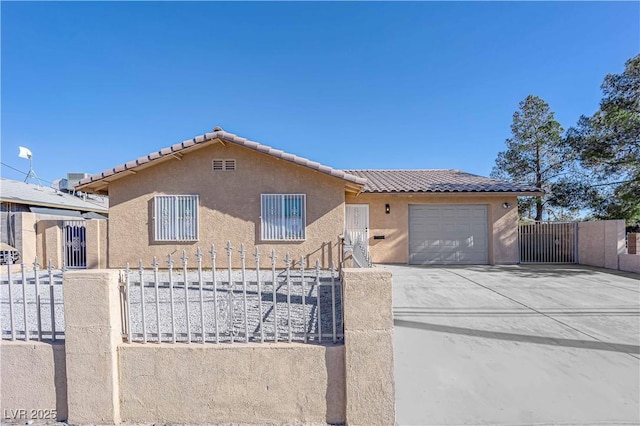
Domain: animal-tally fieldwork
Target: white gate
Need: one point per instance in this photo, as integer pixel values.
(75, 244)
(548, 242)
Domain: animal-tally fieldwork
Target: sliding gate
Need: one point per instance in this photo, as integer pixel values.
(75, 244)
(548, 242)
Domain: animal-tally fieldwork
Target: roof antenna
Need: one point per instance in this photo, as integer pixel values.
(27, 154)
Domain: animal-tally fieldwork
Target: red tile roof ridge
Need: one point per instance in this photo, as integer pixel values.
(227, 137)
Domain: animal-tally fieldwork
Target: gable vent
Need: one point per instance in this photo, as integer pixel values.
(224, 165)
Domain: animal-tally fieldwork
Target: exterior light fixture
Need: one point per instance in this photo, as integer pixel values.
(506, 205)
(387, 208)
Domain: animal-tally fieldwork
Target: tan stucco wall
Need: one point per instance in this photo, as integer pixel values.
(229, 206)
(49, 242)
(503, 223)
(96, 234)
(368, 337)
(93, 330)
(108, 382)
(28, 237)
(33, 377)
(261, 383)
(600, 243)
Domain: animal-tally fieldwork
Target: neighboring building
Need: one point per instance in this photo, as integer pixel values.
(44, 222)
(18, 196)
(220, 187)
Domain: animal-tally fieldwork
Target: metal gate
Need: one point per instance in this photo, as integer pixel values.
(548, 242)
(75, 244)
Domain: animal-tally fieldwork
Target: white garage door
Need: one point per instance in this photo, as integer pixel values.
(445, 234)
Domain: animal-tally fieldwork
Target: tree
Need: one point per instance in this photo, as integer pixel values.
(608, 147)
(535, 153)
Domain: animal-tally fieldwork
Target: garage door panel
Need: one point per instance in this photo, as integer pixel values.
(463, 228)
(463, 213)
(449, 227)
(480, 212)
(448, 234)
(430, 213)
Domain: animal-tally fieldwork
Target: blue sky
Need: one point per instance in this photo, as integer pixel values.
(87, 86)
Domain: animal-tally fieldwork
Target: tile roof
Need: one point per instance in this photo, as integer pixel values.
(434, 180)
(226, 137)
(13, 191)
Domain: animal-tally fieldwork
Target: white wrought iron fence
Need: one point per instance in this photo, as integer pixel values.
(548, 242)
(359, 250)
(225, 305)
(31, 303)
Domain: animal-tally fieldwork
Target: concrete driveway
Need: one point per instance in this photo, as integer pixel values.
(516, 345)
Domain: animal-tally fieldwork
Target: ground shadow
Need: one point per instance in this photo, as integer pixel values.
(541, 340)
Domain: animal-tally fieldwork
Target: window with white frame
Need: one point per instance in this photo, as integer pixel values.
(176, 217)
(283, 217)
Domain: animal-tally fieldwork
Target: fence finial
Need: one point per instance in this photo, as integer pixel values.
(273, 257)
(154, 263)
(212, 252)
(184, 258)
(170, 261)
(199, 255)
(36, 265)
(243, 252)
(140, 267)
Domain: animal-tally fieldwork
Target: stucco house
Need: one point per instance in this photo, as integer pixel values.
(220, 187)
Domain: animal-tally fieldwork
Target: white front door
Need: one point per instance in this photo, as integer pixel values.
(357, 223)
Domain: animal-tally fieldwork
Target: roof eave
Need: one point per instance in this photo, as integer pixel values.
(487, 193)
(56, 206)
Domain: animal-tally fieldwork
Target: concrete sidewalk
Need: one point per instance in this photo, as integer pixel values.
(516, 345)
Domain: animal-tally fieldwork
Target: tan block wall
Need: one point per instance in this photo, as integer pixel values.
(630, 263)
(108, 382)
(368, 336)
(229, 206)
(600, 243)
(256, 383)
(33, 377)
(92, 333)
(503, 223)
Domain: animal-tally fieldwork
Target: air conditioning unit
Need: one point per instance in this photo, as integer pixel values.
(74, 178)
(60, 184)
